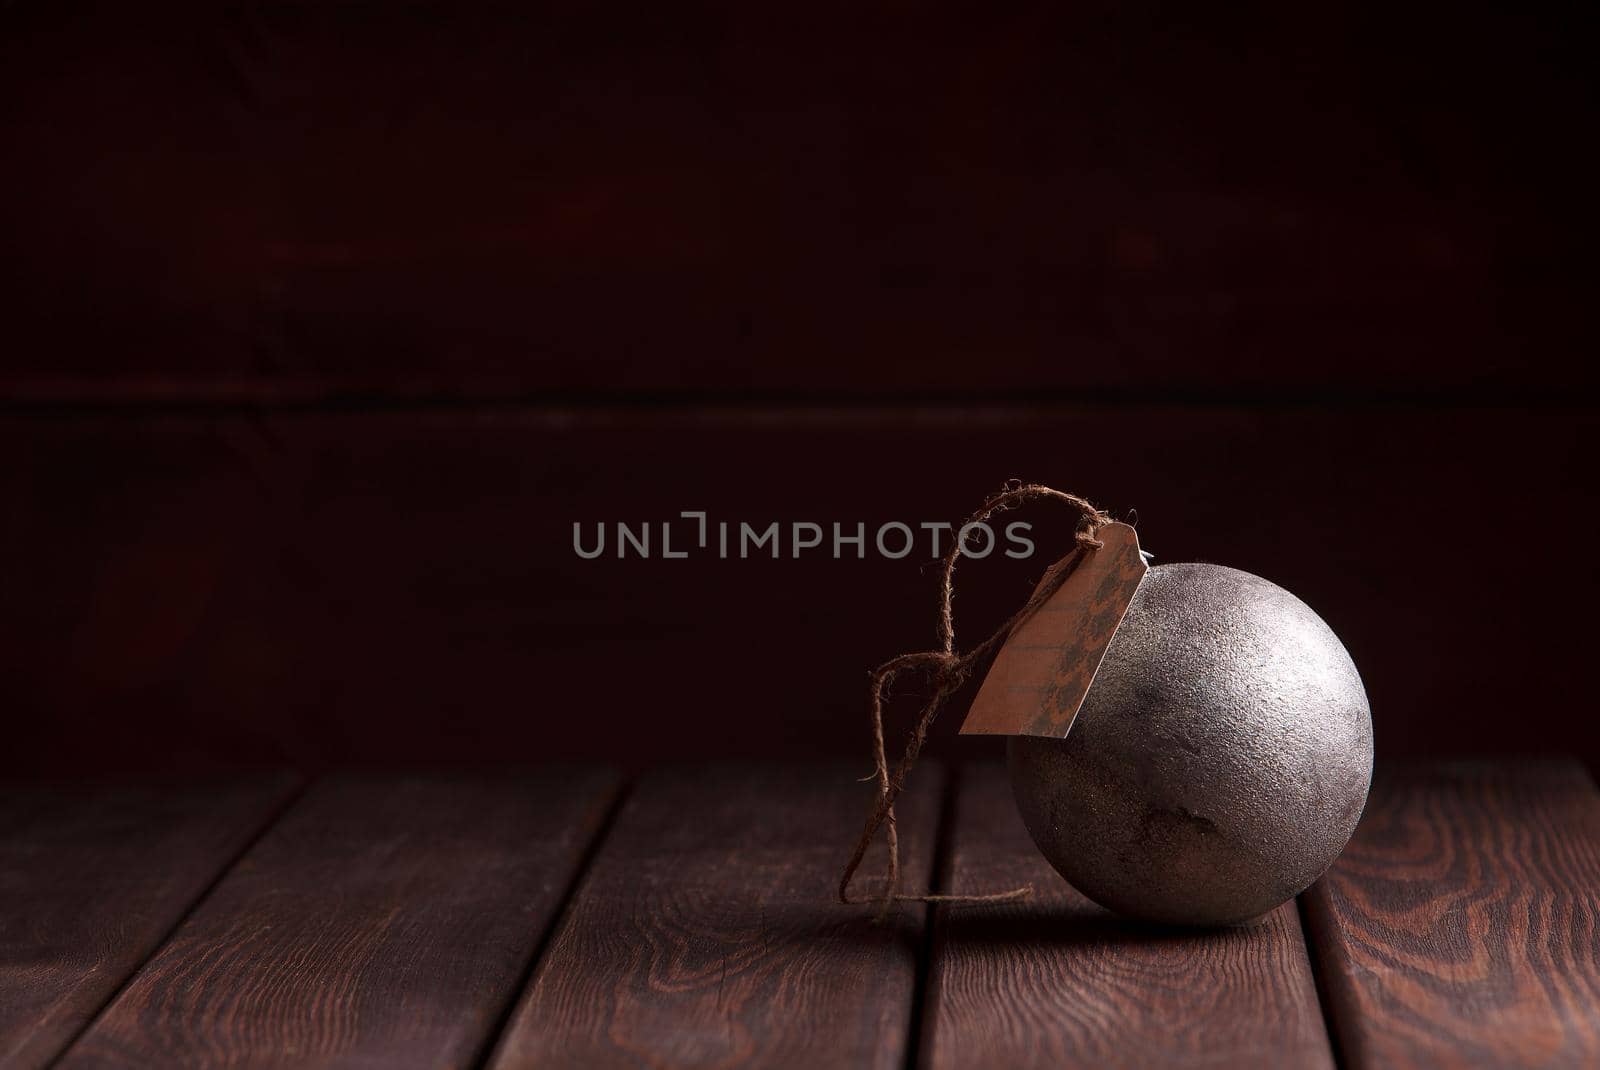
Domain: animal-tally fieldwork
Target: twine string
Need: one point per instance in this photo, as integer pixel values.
(947, 671)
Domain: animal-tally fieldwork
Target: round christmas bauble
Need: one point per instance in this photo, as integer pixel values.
(1217, 765)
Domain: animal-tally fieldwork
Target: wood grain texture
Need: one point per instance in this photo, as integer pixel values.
(382, 922)
(707, 933)
(93, 878)
(1461, 927)
(1057, 981)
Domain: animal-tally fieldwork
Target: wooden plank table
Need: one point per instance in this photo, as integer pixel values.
(562, 917)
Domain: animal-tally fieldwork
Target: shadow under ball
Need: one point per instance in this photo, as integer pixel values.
(1219, 762)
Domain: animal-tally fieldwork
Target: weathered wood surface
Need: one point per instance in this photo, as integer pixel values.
(394, 922)
(93, 877)
(382, 922)
(1462, 924)
(707, 934)
(1056, 981)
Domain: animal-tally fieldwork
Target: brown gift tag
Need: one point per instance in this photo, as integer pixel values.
(1042, 673)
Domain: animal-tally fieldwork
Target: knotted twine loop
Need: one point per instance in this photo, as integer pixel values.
(947, 672)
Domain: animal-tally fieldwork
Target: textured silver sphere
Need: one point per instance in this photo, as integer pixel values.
(1219, 762)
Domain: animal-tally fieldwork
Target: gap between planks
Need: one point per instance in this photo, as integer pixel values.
(269, 821)
(536, 960)
(389, 919)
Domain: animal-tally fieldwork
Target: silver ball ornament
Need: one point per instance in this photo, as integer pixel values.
(1219, 762)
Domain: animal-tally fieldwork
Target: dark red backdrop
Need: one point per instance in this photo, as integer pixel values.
(322, 325)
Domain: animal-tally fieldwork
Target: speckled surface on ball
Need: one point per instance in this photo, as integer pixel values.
(1219, 762)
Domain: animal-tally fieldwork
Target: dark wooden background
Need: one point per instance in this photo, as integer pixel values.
(320, 326)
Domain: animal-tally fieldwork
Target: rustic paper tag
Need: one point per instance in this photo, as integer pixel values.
(1042, 673)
